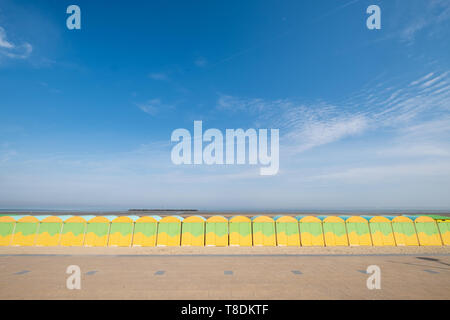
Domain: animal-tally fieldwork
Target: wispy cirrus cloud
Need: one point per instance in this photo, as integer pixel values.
(416, 82)
(3, 42)
(411, 107)
(154, 107)
(11, 50)
(201, 62)
(161, 76)
(434, 80)
(150, 107)
(304, 126)
(314, 133)
(419, 16)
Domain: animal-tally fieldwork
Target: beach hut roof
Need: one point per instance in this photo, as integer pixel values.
(379, 219)
(99, 219)
(171, 219)
(16, 217)
(148, 219)
(424, 219)
(52, 219)
(308, 219)
(240, 219)
(401, 219)
(7, 219)
(356, 219)
(262, 219)
(76, 219)
(333, 219)
(217, 219)
(28, 219)
(194, 219)
(123, 219)
(285, 219)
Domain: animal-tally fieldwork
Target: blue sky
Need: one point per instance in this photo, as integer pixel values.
(86, 115)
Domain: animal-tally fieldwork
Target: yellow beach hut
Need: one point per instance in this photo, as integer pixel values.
(311, 231)
(404, 231)
(358, 231)
(49, 232)
(263, 230)
(193, 231)
(169, 231)
(216, 231)
(25, 231)
(444, 228)
(121, 232)
(97, 231)
(427, 231)
(287, 229)
(7, 225)
(145, 231)
(240, 231)
(334, 231)
(73, 231)
(381, 231)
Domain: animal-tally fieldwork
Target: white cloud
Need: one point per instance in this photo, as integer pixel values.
(260, 108)
(313, 133)
(153, 106)
(414, 109)
(416, 82)
(201, 62)
(434, 80)
(303, 126)
(409, 33)
(417, 18)
(436, 128)
(159, 76)
(11, 50)
(150, 107)
(3, 42)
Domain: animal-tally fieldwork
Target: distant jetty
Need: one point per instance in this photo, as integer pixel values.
(162, 210)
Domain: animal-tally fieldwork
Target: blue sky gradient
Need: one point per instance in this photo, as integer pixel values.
(86, 115)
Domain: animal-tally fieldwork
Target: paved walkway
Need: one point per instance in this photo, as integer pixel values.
(242, 276)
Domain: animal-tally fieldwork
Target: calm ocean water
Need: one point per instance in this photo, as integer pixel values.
(122, 211)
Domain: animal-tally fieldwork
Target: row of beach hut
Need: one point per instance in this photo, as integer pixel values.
(147, 231)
